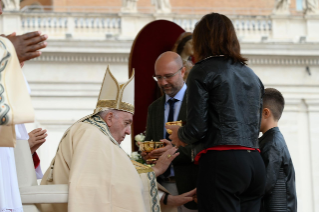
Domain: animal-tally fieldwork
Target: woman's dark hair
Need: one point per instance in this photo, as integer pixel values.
(215, 35)
(182, 44)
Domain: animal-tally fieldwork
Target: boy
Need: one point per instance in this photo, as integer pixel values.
(280, 192)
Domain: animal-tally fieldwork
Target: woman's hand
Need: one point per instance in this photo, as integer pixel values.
(164, 161)
(174, 136)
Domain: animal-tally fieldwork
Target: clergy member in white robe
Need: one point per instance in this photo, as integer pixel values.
(100, 175)
(15, 108)
(10, 199)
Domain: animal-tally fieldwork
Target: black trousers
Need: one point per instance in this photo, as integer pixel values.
(231, 181)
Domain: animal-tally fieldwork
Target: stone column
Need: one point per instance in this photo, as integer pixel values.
(313, 114)
(312, 23)
(71, 27)
(10, 22)
(305, 172)
(132, 23)
(288, 28)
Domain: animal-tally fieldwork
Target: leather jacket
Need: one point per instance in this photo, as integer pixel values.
(224, 105)
(280, 192)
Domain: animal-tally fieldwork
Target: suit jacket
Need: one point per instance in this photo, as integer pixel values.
(185, 170)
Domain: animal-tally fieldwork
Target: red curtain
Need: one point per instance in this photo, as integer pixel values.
(154, 39)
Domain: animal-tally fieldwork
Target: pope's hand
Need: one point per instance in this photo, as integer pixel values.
(165, 160)
(174, 136)
(155, 154)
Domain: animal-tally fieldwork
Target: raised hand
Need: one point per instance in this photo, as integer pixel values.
(27, 45)
(36, 138)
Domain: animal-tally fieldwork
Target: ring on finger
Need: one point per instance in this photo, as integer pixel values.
(168, 156)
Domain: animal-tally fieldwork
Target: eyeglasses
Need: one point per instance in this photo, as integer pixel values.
(166, 77)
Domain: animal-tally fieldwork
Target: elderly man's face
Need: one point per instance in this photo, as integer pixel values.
(120, 125)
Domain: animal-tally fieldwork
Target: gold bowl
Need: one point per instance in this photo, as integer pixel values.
(148, 146)
(179, 123)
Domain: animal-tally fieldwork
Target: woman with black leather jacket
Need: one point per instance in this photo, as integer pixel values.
(223, 119)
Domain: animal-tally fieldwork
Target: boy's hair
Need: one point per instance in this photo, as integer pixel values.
(274, 101)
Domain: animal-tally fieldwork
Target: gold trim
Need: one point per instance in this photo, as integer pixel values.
(137, 164)
(141, 171)
(107, 103)
(112, 104)
(141, 168)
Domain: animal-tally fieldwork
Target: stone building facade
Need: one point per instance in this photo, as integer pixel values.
(283, 50)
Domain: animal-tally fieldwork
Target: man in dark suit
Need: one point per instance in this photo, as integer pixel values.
(181, 177)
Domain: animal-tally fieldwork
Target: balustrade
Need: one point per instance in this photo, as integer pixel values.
(101, 26)
(104, 26)
(253, 26)
(244, 25)
(59, 25)
(55, 26)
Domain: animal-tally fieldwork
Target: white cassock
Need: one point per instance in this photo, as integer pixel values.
(100, 175)
(22, 134)
(14, 96)
(10, 199)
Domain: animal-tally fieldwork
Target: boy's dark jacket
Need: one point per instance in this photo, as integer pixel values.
(280, 192)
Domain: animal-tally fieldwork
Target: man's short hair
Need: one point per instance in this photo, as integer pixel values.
(274, 101)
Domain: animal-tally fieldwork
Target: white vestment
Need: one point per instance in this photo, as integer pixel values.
(10, 199)
(100, 175)
(22, 134)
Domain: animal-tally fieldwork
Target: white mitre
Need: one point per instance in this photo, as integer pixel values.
(114, 95)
